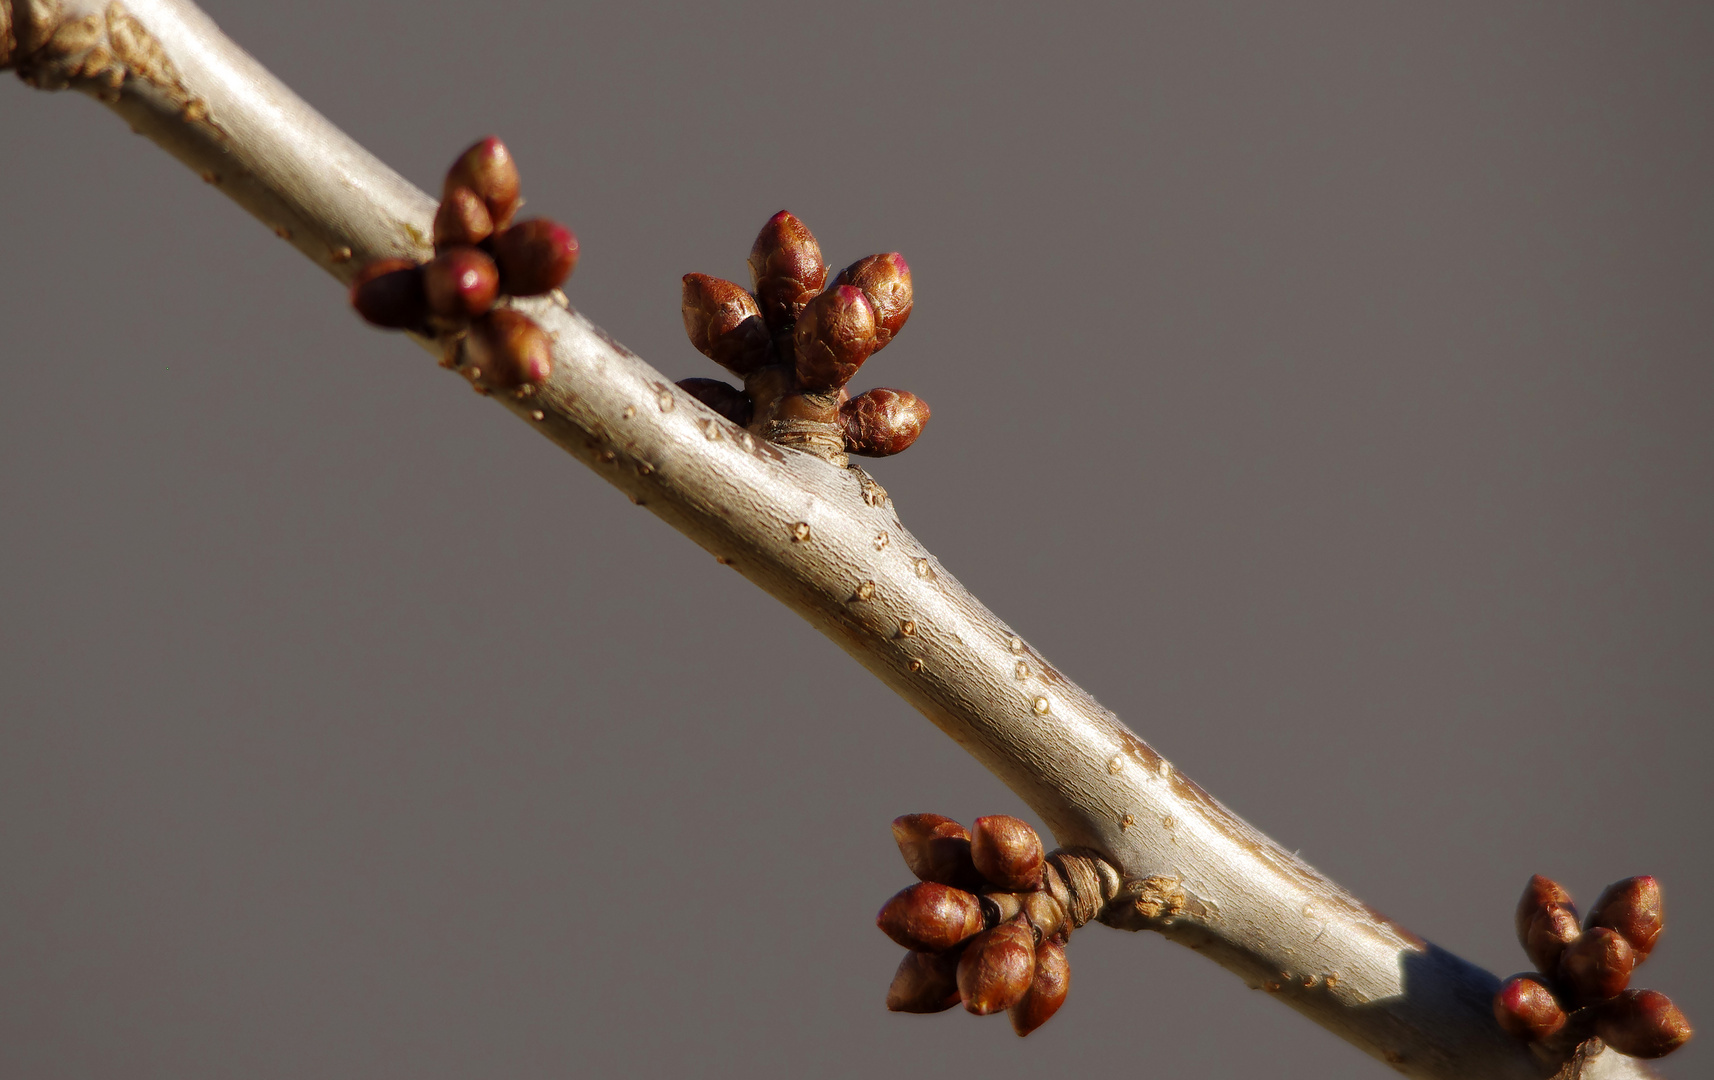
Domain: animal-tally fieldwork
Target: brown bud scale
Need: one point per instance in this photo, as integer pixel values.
(510, 349)
(461, 219)
(936, 848)
(834, 334)
(535, 257)
(997, 966)
(1632, 908)
(886, 282)
(487, 169)
(1597, 965)
(389, 293)
(1048, 987)
(930, 917)
(1007, 852)
(925, 983)
(786, 270)
(1526, 1009)
(1541, 893)
(882, 422)
(461, 283)
(1642, 1023)
(723, 323)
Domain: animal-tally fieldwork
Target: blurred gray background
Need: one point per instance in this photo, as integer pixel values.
(1328, 388)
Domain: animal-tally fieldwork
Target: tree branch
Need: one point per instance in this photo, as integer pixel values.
(800, 529)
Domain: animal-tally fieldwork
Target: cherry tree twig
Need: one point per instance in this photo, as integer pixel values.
(805, 531)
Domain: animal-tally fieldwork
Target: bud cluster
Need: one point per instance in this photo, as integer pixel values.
(480, 256)
(986, 923)
(797, 339)
(1579, 989)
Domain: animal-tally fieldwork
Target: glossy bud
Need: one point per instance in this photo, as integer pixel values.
(936, 849)
(1632, 908)
(509, 350)
(535, 257)
(886, 282)
(1527, 1009)
(488, 170)
(834, 334)
(930, 917)
(1047, 990)
(723, 323)
(461, 283)
(1642, 1023)
(996, 968)
(882, 422)
(1597, 965)
(1546, 922)
(389, 293)
(924, 983)
(1539, 894)
(786, 270)
(723, 398)
(461, 219)
(1007, 852)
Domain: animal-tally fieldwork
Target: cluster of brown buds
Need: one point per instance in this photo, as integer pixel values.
(796, 345)
(987, 921)
(480, 256)
(1578, 990)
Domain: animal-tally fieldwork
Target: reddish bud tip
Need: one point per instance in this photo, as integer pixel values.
(786, 270)
(924, 983)
(1007, 852)
(462, 219)
(534, 257)
(930, 917)
(834, 334)
(509, 349)
(882, 422)
(1527, 1009)
(886, 281)
(1632, 908)
(1047, 990)
(723, 398)
(723, 323)
(461, 283)
(1597, 965)
(1642, 1023)
(997, 966)
(389, 293)
(488, 170)
(936, 849)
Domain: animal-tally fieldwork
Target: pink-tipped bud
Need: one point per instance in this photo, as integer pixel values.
(930, 917)
(462, 219)
(487, 169)
(924, 983)
(1007, 852)
(882, 422)
(1642, 1023)
(1047, 990)
(834, 334)
(1632, 908)
(461, 283)
(509, 350)
(886, 282)
(534, 257)
(1546, 922)
(786, 269)
(723, 323)
(936, 849)
(1527, 1009)
(723, 398)
(997, 966)
(1597, 965)
(389, 293)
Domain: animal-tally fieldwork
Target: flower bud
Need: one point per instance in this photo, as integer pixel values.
(389, 293)
(488, 170)
(930, 917)
(723, 398)
(1642, 1023)
(461, 219)
(834, 334)
(925, 983)
(1047, 990)
(786, 270)
(936, 848)
(723, 323)
(886, 282)
(461, 283)
(1527, 1009)
(1007, 852)
(997, 966)
(509, 349)
(1546, 922)
(534, 257)
(1631, 907)
(1541, 892)
(1597, 965)
(882, 422)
